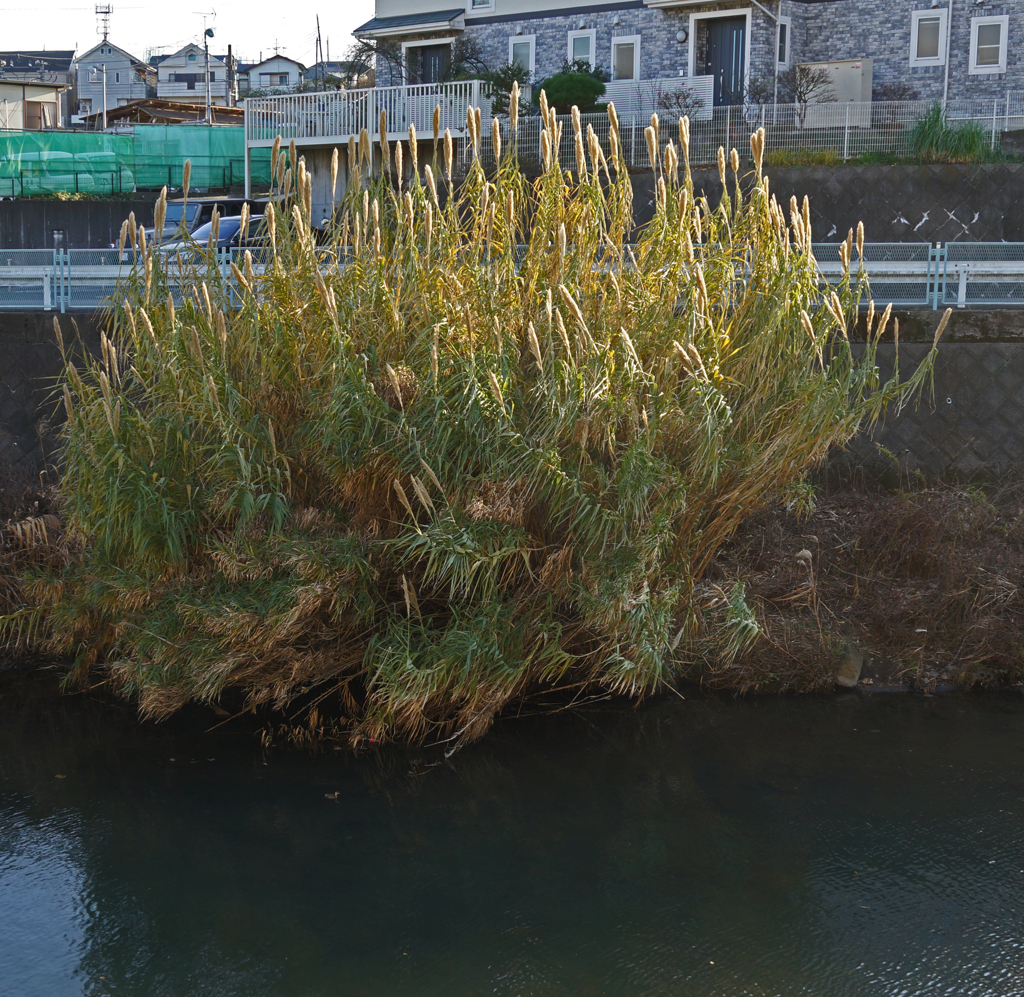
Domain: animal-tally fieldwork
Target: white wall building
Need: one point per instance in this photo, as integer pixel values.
(276, 73)
(181, 77)
(128, 78)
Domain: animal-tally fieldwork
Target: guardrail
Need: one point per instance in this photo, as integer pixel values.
(907, 274)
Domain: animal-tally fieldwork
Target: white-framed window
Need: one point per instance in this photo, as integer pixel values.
(626, 57)
(988, 44)
(928, 37)
(582, 46)
(191, 57)
(785, 40)
(479, 6)
(523, 49)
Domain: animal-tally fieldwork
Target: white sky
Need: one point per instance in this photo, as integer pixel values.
(249, 26)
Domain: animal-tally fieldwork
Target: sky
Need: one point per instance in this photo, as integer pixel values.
(146, 27)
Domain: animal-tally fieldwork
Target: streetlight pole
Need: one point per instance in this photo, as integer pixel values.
(207, 35)
(103, 67)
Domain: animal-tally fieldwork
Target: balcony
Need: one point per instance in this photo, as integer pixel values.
(331, 118)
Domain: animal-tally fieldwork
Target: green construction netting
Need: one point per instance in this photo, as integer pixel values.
(153, 155)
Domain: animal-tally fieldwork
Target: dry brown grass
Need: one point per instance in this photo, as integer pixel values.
(927, 582)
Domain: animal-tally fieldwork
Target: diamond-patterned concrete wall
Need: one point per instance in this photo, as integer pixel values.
(29, 365)
(940, 203)
(974, 425)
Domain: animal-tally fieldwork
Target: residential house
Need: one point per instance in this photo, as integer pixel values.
(276, 74)
(105, 66)
(29, 105)
(954, 48)
(180, 77)
(350, 75)
(55, 68)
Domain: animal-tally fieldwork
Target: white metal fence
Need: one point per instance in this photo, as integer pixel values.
(907, 274)
(834, 132)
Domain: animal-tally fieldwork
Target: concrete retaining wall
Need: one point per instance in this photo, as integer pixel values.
(974, 427)
(942, 203)
(30, 224)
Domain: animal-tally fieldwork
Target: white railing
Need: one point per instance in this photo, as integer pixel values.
(331, 117)
(692, 95)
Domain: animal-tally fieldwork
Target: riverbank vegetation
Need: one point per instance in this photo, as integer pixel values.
(491, 448)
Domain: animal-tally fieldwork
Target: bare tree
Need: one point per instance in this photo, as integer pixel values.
(760, 90)
(680, 101)
(803, 85)
(383, 58)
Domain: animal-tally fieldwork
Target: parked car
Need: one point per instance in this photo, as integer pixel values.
(229, 236)
(197, 211)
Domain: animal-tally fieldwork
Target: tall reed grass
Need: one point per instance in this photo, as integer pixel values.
(934, 139)
(481, 447)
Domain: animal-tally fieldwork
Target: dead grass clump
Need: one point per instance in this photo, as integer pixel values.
(928, 582)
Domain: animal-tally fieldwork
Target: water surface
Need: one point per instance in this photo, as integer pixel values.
(843, 845)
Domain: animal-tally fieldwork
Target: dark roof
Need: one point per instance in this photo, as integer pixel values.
(333, 67)
(27, 61)
(149, 110)
(411, 21)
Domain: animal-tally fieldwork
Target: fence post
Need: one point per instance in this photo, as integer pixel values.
(632, 141)
(728, 126)
(995, 111)
(846, 135)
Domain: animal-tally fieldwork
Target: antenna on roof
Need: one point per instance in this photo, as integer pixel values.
(103, 12)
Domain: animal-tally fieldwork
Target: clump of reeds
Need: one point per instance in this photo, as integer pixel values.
(935, 139)
(479, 446)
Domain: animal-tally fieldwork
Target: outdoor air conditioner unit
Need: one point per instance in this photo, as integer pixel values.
(851, 83)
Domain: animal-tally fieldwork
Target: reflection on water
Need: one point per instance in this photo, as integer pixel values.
(823, 846)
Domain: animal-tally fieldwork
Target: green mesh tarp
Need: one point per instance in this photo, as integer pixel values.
(46, 162)
(217, 156)
(153, 155)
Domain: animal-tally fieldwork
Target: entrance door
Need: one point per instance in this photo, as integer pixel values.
(433, 63)
(724, 57)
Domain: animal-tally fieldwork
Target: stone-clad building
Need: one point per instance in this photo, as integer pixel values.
(954, 48)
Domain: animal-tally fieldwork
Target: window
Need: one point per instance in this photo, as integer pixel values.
(213, 77)
(477, 6)
(928, 38)
(191, 57)
(581, 46)
(522, 49)
(785, 30)
(988, 44)
(117, 77)
(626, 57)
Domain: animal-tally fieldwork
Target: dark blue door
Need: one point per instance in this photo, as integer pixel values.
(724, 57)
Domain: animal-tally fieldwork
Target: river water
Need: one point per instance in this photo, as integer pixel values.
(841, 845)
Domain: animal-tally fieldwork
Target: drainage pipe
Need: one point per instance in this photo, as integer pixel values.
(949, 46)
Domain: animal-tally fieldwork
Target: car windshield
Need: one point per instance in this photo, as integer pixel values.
(176, 211)
(228, 227)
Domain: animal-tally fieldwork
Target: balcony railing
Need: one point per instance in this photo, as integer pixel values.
(330, 118)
